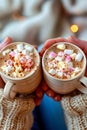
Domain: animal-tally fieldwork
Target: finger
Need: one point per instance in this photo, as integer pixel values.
(39, 92)
(57, 97)
(50, 93)
(50, 42)
(37, 101)
(44, 86)
(1, 83)
(5, 42)
(81, 43)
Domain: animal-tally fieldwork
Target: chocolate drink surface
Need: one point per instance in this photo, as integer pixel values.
(18, 60)
(63, 61)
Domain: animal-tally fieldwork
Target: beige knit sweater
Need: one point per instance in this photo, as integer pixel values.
(75, 110)
(16, 114)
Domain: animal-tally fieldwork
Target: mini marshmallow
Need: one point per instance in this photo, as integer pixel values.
(8, 69)
(9, 62)
(52, 55)
(77, 69)
(58, 58)
(3, 68)
(24, 52)
(52, 71)
(61, 46)
(73, 74)
(61, 53)
(60, 74)
(79, 57)
(16, 57)
(62, 65)
(12, 53)
(20, 47)
(68, 51)
(14, 74)
(29, 48)
(19, 68)
(16, 51)
(68, 58)
(70, 64)
(50, 65)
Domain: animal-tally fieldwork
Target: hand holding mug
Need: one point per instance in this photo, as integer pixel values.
(37, 97)
(72, 40)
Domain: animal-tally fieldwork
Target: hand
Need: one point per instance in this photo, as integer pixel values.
(5, 42)
(47, 90)
(74, 104)
(82, 44)
(38, 95)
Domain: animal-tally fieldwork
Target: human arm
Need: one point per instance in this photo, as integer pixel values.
(74, 104)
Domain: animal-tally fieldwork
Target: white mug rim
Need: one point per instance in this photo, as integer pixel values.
(28, 75)
(65, 80)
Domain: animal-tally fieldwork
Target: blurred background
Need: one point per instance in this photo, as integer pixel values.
(35, 21)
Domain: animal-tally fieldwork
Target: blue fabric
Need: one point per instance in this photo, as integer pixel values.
(37, 120)
(52, 115)
(51, 112)
(49, 115)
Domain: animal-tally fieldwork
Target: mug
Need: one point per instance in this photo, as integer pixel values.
(60, 85)
(26, 84)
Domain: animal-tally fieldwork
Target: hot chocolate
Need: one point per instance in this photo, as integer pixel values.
(63, 61)
(20, 68)
(18, 60)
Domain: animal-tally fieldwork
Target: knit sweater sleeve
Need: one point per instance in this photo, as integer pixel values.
(16, 114)
(75, 110)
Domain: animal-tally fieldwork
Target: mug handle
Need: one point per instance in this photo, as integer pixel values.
(8, 93)
(83, 88)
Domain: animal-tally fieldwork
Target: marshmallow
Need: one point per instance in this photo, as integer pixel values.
(29, 48)
(61, 46)
(12, 53)
(77, 69)
(19, 68)
(20, 47)
(3, 68)
(68, 58)
(58, 58)
(67, 51)
(79, 57)
(16, 51)
(60, 74)
(52, 71)
(24, 52)
(8, 69)
(62, 65)
(70, 64)
(61, 53)
(10, 62)
(52, 55)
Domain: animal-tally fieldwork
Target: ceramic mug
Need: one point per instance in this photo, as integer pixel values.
(23, 85)
(64, 86)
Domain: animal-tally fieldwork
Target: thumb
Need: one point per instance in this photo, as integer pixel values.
(80, 43)
(5, 42)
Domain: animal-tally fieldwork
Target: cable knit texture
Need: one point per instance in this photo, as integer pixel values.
(75, 110)
(16, 114)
